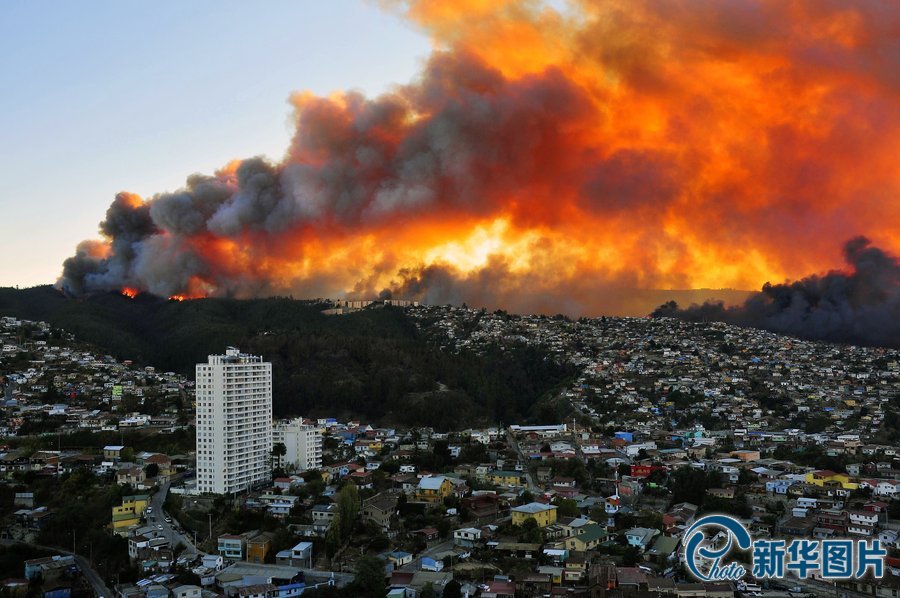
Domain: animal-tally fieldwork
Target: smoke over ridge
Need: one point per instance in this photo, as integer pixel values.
(547, 160)
(861, 306)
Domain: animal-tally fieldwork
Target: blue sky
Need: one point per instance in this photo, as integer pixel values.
(98, 97)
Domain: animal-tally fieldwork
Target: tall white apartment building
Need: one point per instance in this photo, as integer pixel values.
(303, 443)
(234, 422)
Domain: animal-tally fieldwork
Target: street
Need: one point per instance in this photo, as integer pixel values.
(428, 552)
(157, 517)
(84, 566)
(532, 487)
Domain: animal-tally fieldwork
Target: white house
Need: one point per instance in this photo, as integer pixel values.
(467, 537)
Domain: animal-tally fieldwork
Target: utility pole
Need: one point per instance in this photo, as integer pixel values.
(210, 525)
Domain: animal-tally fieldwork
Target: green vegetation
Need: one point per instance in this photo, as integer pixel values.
(365, 364)
(179, 442)
(370, 579)
(81, 504)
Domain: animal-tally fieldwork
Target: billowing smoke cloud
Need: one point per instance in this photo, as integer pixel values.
(861, 306)
(552, 161)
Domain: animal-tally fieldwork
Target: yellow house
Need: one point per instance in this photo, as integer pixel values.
(129, 513)
(555, 574)
(434, 489)
(825, 477)
(587, 537)
(363, 444)
(543, 514)
(506, 478)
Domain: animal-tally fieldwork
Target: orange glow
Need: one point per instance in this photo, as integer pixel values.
(130, 293)
(548, 158)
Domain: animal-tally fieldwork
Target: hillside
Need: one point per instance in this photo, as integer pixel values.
(371, 363)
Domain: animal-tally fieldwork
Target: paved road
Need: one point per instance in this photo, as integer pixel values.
(511, 440)
(84, 566)
(432, 551)
(821, 588)
(157, 517)
(314, 577)
(93, 577)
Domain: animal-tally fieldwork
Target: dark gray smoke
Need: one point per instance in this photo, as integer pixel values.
(859, 307)
(355, 167)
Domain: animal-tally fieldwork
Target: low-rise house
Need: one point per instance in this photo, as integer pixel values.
(543, 514)
(429, 564)
(641, 537)
(232, 546)
(835, 519)
(482, 507)
(467, 537)
(50, 568)
(129, 513)
(779, 486)
(587, 537)
(499, 589)
(258, 547)
(433, 489)
(380, 509)
(134, 476)
(828, 479)
(398, 558)
(324, 514)
(113, 452)
(798, 527)
(506, 478)
(301, 555)
(213, 561)
(663, 551)
(187, 591)
(681, 514)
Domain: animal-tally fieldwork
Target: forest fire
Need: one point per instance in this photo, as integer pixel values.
(544, 159)
(130, 293)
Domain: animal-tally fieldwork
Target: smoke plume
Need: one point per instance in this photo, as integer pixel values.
(861, 306)
(554, 160)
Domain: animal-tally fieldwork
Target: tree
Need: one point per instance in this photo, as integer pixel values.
(441, 454)
(689, 485)
(443, 528)
(567, 507)
(152, 470)
(530, 532)
(631, 556)
(348, 509)
(333, 540)
(370, 578)
(452, 589)
(657, 476)
(279, 450)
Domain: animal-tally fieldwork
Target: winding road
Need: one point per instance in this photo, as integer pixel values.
(84, 566)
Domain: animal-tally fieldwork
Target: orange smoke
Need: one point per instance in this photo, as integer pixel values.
(547, 159)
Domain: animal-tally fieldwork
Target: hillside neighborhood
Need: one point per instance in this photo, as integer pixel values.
(664, 421)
